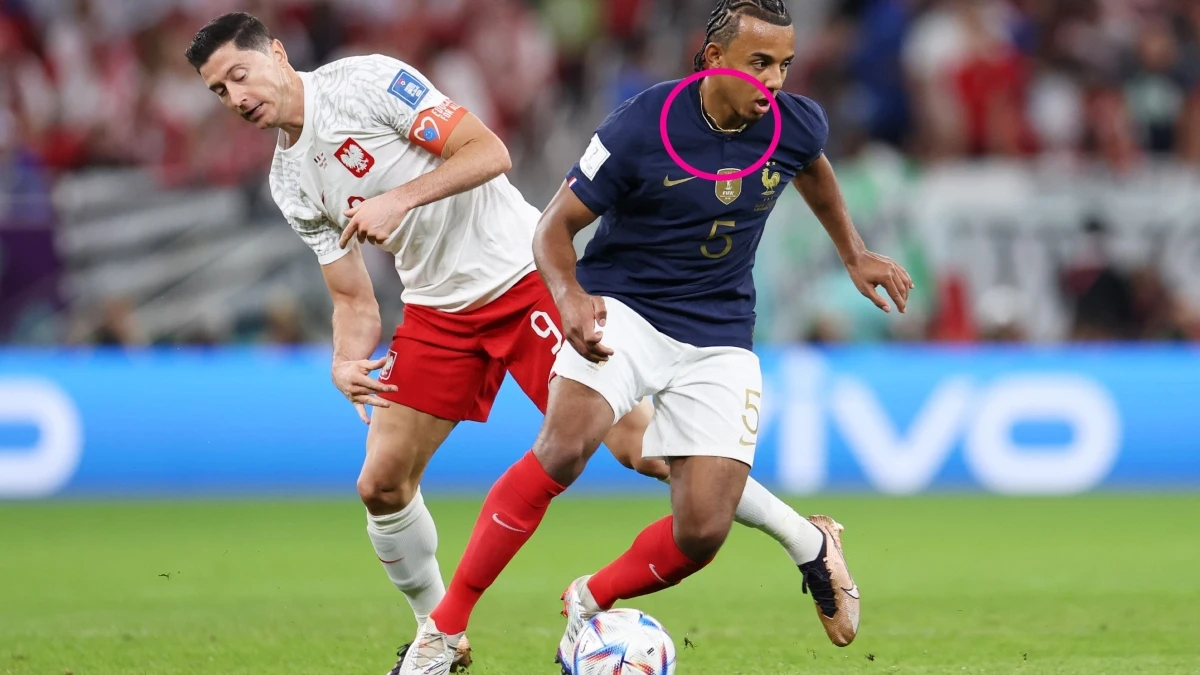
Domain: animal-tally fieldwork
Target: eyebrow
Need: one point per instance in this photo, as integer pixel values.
(769, 57)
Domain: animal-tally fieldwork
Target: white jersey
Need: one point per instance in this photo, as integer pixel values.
(371, 124)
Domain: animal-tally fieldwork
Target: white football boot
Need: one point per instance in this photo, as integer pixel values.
(578, 614)
(462, 657)
(433, 652)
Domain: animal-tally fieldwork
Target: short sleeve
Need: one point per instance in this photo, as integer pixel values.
(314, 227)
(401, 98)
(820, 133)
(321, 236)
(806, 129)
(395, 92)
(608, 169)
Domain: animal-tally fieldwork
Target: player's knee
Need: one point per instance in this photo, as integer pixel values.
(626, 446)
(654, 468)
(625, 438)
(382, 496)
(618, 445)
(625, 460)
(701, 538)
(563, 458)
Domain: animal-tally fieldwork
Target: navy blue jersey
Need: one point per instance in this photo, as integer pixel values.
(677, 249)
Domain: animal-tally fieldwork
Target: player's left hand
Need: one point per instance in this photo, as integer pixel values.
(871, 270)
(374, 219)
(353, 379)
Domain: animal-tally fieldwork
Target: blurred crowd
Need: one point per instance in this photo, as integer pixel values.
(89, 82)
(1116, 80)
(93, 83)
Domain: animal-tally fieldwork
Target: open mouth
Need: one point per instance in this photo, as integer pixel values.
(762, 106)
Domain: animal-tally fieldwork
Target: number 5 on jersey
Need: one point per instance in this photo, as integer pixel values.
(714, 235)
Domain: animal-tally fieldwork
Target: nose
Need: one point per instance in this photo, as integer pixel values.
(773, 79)
(237, 97)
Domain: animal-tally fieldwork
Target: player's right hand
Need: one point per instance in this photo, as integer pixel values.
(583, 316)
(353, 379)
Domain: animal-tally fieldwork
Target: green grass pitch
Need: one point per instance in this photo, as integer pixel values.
(1099, 584)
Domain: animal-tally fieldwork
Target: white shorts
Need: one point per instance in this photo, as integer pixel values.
(706, 399)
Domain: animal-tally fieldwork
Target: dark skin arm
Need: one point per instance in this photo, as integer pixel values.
(554, 254)
(819, 186)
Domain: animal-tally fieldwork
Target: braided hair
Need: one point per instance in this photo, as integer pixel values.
(723, 22)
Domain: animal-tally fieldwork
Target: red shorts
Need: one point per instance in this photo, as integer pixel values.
(450, 365)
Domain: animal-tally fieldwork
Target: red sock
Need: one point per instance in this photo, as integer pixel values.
(512, 511)
(653, 563)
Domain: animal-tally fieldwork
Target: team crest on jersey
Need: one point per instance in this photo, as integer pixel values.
(729, 190)
(387, 365)
(770, 180)
(352, 156)
(408, 88)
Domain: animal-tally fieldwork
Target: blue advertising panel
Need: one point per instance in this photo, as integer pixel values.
(896, 420)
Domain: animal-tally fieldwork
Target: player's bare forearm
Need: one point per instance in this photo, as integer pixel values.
(554, 242)
(474, 155)
(867, 270)
(356, 323)
(554, 254)
(818, 184)
(356, 330)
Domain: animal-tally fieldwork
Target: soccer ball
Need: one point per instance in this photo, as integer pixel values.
(623, 642)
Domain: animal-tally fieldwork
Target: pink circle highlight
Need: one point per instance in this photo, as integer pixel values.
(662, 125)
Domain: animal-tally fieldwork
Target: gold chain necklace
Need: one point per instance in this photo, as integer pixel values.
(712, 124)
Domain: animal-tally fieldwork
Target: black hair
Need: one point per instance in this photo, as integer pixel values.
(724, 21)
(244, 30)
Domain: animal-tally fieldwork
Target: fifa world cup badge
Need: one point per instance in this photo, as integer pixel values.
(729, 190)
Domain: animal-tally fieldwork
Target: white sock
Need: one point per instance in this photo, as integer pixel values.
(589, 601)
(764, 511)
(406, 544)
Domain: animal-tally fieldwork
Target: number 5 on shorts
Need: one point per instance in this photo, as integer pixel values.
(753, 399)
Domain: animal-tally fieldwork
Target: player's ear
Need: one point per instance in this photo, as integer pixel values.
(713, 55)
(279, 52)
